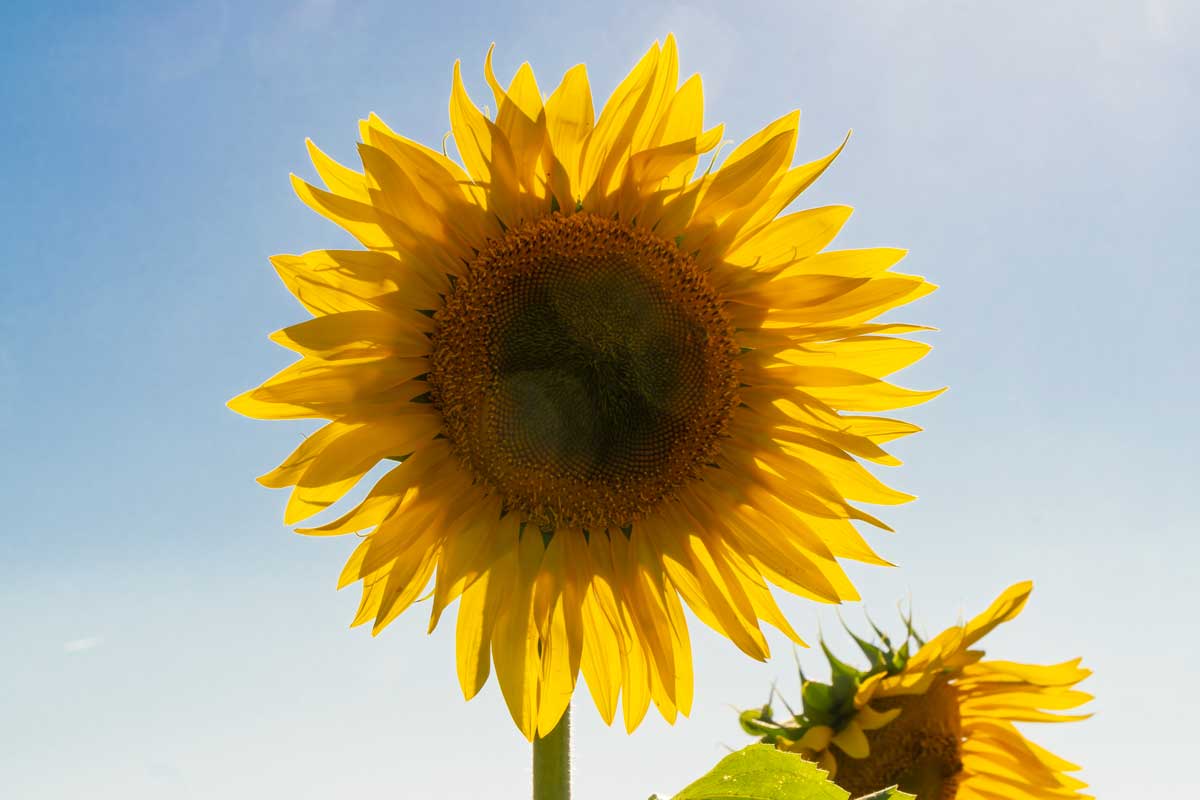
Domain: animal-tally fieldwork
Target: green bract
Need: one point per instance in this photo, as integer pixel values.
(831, 704)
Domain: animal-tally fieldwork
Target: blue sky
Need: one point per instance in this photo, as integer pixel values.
(163, 635)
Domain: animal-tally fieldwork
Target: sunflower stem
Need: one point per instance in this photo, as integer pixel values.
(552, 762)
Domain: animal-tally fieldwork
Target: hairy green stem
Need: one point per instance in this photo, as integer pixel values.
(552, 762)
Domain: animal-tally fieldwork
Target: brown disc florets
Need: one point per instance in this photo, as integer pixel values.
(920, 750)
(584, 370)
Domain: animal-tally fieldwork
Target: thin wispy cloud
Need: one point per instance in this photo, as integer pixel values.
(83, 645)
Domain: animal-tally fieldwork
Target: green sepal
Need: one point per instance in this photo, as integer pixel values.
(758, 722)
(875, 655)
(845, 677)
(818, 702)
(910, 630)
(883, 637)
(887, 658)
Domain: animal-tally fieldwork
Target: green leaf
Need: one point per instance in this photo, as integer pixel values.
(890, 793)
(761, 772)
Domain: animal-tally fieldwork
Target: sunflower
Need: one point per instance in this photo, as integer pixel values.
(612, 386)
(938, 722)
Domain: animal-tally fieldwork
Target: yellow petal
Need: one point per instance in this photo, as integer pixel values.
(376, 229)
(287, 473)
(319, 384)
(1067, 673)
(783, 557)
(867, 689)
(783, 191)
(791, 238)
(473, 132)
(406, 582)
(522, 94)
(602, 644)
(786, 125)
(726, 597)
(1004, 608)
(515, 639)
(877, 356)
(479, 540)
(477, 613)
(798, 298)
(637, 131)
(383, 499)
(846, 475)
(859, 304)
(569, 119)
(816, 738)
(610, 142)
(852, 740)
(869, 719)
(408, 510)
(684, 116)
(331, 281)
(879, 429)
(352, 334)
(559, 666)
(865, 263)
(1004, 736)
(394, 192)
(669, 641)
(648, 169)
(633, 568)
(737, 183)
(874, 396)
(441, 183)
(521, 119)
(418, 525)
(246, 405)
(485, 152)
(338, 179)
(681, 640)
(344, 461)
(635, 677)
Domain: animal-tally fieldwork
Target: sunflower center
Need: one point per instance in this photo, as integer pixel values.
(584, 370)
(921, 750)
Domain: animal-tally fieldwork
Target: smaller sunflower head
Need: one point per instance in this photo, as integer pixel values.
(934, 717)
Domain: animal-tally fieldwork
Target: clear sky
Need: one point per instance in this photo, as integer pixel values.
(164, 636)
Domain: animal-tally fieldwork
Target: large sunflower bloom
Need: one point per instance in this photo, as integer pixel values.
(610, 385)
(939, 723)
